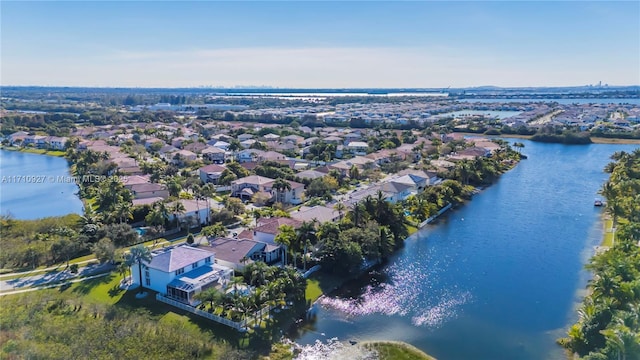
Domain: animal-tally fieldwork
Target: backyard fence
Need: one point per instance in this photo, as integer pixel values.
(240, 326)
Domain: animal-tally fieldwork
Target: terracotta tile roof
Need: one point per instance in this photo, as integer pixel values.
(272, 225)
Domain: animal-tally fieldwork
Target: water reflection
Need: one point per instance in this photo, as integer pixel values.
(407, 289)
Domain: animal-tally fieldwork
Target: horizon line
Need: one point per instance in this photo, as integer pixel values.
(267, 87)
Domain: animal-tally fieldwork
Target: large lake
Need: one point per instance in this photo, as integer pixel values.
(633, 101)
(499, 278)
(30, 187)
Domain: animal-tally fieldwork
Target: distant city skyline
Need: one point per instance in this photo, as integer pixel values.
(320, 44)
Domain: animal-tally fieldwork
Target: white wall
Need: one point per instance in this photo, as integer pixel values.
(159, 279)
(264, 237)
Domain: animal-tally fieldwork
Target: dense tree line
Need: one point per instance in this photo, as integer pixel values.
(609, 317)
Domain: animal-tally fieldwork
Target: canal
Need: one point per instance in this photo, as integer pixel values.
(498, 278)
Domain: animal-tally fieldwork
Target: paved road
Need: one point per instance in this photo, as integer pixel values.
(52, 268)
(53, 276)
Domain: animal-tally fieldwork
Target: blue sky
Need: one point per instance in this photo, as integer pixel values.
(320, 44)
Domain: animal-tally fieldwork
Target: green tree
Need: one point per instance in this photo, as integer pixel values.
(104, 250)
(280, 186)
(286, 238)
(137, 255)
(216, 230)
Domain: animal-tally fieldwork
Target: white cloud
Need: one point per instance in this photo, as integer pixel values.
(315, 67)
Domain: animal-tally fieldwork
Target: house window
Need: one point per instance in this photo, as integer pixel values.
(148, 281)
(194, 265)
(180, 271)
(208, 260)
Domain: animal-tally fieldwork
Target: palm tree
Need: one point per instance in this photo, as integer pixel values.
(340, 208)
(122, 269)
(258, 273)
(354, 173)
(212, 295)
(307, 236)
(257, 214)
(286, 238)
(615, 210)
(123, 211)
(608, 190)
(177, 208)
(280, 185)
(137, 255)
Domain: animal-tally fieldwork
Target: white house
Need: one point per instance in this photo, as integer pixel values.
(56, 142)
(181, 272)
(395, 191)
(358, 147)
(248, 155)
(196, 212)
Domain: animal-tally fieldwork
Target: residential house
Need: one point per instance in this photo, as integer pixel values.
(195, 147)
(222, 145)
(221, 137)
(150, 141)
(271, 156)
(17, 137)
(196, 212)
(358, 147)
(56, 142)
(395, 191)
(246, 187)
(294, 139)
(181, 272)
(310, 174)
(271, 137)
(321, 214)
(130, 181)
(148, 190)
(214, 154)
(180, 156)
(237, 253)
(268, 228)
(177, 141)
(243, 137)
(211, 173)
(248, 155)
(246, 144)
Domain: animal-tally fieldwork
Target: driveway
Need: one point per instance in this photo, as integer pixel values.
(53, 276)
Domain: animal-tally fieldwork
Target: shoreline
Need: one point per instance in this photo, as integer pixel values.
(56, 153)
(594, 140)
(409, 351)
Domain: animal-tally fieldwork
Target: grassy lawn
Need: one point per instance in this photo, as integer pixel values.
(36, 151)
(608, 235)
(102, 290)
(391, 350)
(323, 282)
(313, 291)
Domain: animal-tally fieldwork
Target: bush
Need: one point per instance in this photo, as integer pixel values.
(73, 268)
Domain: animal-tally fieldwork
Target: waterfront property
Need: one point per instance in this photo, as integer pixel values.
(181, 272)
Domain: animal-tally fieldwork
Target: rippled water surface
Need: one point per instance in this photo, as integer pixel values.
(496, 279)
